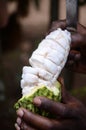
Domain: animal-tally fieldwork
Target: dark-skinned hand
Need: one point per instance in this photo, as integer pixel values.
(70, 114)
(77, 56)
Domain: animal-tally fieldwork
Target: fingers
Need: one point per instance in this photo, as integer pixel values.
(23, 126)
(56, 108)
(64, 109)
(64, 124)
(34, 120)
(74, 55)
(20, 124)
(58, 24)
(17, 126)
(78, 40)
(40, 123)
(73, 58)
(81, 29)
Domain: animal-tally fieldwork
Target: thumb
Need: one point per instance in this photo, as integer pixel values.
(57, 109)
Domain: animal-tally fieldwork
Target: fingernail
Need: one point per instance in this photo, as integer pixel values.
(17, 127)
(37, 101)
(18, 121)
(20, 113)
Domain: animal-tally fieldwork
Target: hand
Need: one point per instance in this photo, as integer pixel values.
(70, 114)
(77, 56)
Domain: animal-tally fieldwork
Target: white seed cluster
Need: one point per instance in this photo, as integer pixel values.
(46, 61)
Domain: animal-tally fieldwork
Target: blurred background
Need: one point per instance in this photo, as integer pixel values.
(28, 21)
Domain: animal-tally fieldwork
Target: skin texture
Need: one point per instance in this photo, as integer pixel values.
(77, 56)
(70, 114)
(3, 13)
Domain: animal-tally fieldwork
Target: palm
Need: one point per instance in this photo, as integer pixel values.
(70, 114)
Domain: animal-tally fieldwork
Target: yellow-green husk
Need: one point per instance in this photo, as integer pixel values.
(26, 101)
